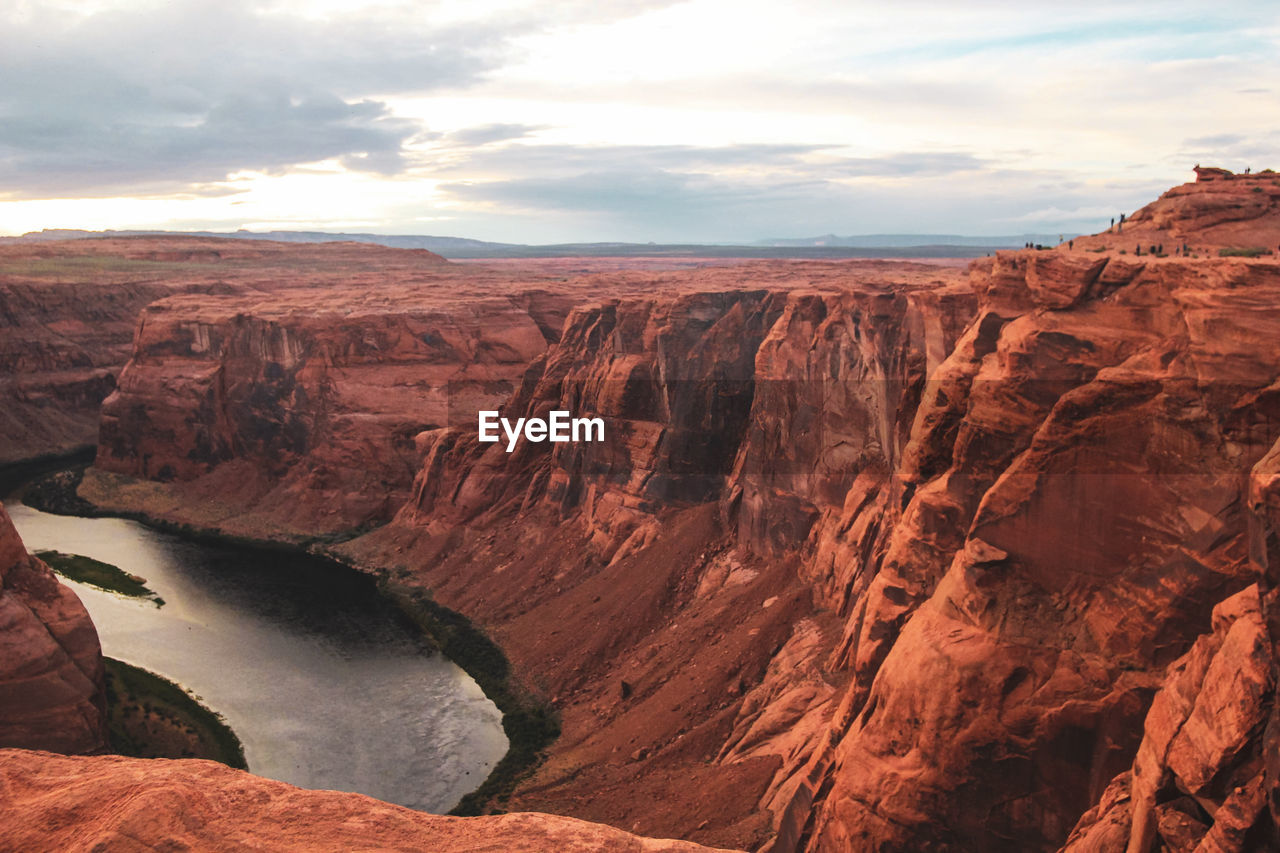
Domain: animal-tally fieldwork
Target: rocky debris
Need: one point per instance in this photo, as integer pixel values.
(58, 803)
(51, 688)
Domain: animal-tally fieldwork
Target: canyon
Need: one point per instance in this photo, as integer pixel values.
(873, 555)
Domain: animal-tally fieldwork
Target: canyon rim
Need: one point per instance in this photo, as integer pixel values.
(671, 425)
(873, 555)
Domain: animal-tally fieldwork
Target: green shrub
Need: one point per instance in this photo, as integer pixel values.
(1254, 252)
(99, 574)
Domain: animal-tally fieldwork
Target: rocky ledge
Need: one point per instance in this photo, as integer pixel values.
(51, 689)
(158, 804)
(875, 557)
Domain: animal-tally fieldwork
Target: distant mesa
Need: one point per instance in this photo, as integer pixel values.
(829, 246)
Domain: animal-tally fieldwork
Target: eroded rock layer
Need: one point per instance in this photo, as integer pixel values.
(157, 804)
(68, 309)
(295, 418)
(51, 689)
(872, 556)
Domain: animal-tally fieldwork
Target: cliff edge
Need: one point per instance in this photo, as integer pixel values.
(51, 675)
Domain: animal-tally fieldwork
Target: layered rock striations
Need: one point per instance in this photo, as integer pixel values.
(1076, 508)
(1003, 515)
(51, 677)
(873, 556)
(296, 417)
(1219, 212)
(68, 310)
(107, 803)
(686, 655)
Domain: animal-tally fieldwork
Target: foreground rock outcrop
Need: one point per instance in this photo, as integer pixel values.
(873, 556)
(1205, 774)
(53, 802)
(51, 688)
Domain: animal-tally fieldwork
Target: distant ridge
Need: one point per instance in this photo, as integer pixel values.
(828, 246)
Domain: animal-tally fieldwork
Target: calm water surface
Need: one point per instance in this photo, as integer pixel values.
(324, 682)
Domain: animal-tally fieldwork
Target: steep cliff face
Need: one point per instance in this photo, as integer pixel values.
(1205, 774)
(871, 557)
(51, 693)
(57, 803)
(686, 656)
(295, 417)
(68, 310)
(1076, 508)
(997, 535)
(61, 345)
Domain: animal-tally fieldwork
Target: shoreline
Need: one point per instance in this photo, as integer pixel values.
(151, 716)
(530, 723)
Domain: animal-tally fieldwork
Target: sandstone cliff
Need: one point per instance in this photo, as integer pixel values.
(296, 417)
(139, 804)
(1219, 211)
(1076, 506)
(987, 529)
(51, 691)
(68, 310)
(872, 557)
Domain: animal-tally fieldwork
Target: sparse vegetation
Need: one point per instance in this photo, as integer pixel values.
(97, 573)
(151, 717)
(55, 493)
(1254, 252)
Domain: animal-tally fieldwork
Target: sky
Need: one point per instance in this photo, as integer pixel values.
(540, 121)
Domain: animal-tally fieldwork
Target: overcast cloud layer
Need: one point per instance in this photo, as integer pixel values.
(553, 121)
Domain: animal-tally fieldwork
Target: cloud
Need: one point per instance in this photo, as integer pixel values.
(767, 122)
(563, 159)
(486, 134)
(633, 197)
(170, 97)
(911, 165)
(42, 156)
(1235, 151)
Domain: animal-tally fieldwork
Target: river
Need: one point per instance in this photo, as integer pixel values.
(324, 682)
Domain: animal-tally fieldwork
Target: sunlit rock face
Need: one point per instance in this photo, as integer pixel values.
(1076, 501)
(200, 805)
(51, 693)
(296, 416)
(872, 557)
(68, 309)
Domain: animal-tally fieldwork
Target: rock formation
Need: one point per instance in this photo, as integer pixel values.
(68, 310)
(1220, 211)
(106, 803)
(51, 690)
(296, 416)
(872, 556)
